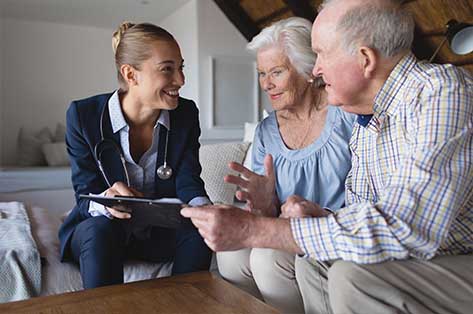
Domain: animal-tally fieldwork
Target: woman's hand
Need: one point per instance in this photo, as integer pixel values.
(298, 207)
(258, 191)
(120, 188)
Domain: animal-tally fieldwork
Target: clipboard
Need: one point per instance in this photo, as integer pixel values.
(155, 212)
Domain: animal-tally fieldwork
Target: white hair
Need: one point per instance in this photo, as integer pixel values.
(388, 28)
(293, 36)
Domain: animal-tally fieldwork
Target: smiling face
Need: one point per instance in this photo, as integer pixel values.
(161, 76)
(284, 86)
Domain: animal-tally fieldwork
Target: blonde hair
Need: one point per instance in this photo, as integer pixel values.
(131, 45)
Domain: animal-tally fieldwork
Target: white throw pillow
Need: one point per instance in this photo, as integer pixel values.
(248, 136)
(249, 133)
(60, 133)
(214, 159)
(56, 154)
(29, 147)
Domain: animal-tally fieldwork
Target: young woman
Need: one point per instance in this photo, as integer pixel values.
(140, 140)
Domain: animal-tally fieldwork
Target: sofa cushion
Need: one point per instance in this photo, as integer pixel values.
(29, 147)
(57, 277)
(248, 136)
(55, 154)
(60, 133)
(214, 159)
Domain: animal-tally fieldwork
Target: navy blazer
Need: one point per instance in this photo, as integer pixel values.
(83, 133)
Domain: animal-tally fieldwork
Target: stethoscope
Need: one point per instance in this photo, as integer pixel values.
(164, 172)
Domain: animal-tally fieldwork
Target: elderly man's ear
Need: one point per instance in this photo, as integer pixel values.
(368, 61)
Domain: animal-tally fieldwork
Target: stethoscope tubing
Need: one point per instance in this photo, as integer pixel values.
(164, 172)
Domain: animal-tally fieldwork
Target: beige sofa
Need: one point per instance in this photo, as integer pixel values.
(57, 277)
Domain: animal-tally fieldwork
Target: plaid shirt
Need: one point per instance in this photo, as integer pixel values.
(410, 190)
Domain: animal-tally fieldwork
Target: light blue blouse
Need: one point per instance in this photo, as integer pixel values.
(316, 172)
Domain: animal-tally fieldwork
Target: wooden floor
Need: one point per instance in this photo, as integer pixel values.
(200, 293)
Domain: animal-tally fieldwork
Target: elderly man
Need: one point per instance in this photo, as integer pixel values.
(404, 242)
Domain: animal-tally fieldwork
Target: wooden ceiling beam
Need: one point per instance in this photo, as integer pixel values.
(242, 21)
(302, 8)
(272, 16)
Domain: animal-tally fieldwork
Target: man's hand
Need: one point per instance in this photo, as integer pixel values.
(296, 206)
(223, 227)
(258, 191)
(120, 188)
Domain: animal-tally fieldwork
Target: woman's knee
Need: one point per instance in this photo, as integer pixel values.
(99, 231)
(234, 266)
(268, 262)
(191, 240)
(192, 254)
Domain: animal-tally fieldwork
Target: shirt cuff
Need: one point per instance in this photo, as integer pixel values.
(314, 237)
(199, 201)
(97, 209)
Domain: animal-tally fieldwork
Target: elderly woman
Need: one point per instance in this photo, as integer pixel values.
(300, 150)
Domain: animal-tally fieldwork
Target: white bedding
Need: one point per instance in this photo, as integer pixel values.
(17, 179)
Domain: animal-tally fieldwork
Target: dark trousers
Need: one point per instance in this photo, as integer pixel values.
(101, 245)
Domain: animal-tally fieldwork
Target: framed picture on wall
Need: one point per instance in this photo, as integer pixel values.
(234, 92)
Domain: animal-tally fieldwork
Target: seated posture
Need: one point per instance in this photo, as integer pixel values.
(404, 241)
(306, 147)
(141, 140)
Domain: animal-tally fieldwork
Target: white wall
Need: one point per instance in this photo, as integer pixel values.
(217, 37)
(202, 31)
(46, 65)
(182, 24)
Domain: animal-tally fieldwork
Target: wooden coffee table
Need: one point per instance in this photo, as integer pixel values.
(200, 292)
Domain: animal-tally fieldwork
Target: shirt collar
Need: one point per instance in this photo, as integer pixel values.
(364, 119)
(389, 97)
(118, 120)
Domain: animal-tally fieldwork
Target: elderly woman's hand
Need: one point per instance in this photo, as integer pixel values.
(258, 191)
(297, 207)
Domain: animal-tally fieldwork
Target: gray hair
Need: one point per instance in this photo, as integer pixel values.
(293, 36)
(389, 29)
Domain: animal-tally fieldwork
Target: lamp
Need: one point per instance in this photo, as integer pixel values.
(459, 36)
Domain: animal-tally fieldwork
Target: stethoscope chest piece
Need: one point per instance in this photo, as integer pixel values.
(164, 172)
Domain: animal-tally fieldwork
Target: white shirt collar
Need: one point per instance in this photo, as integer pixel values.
(118, 120)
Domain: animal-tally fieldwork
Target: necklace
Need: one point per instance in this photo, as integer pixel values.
(293, 139)
(307, 132)
(311, 120)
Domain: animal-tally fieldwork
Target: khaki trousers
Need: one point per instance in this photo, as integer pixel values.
(265, 273)
(441, 285)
